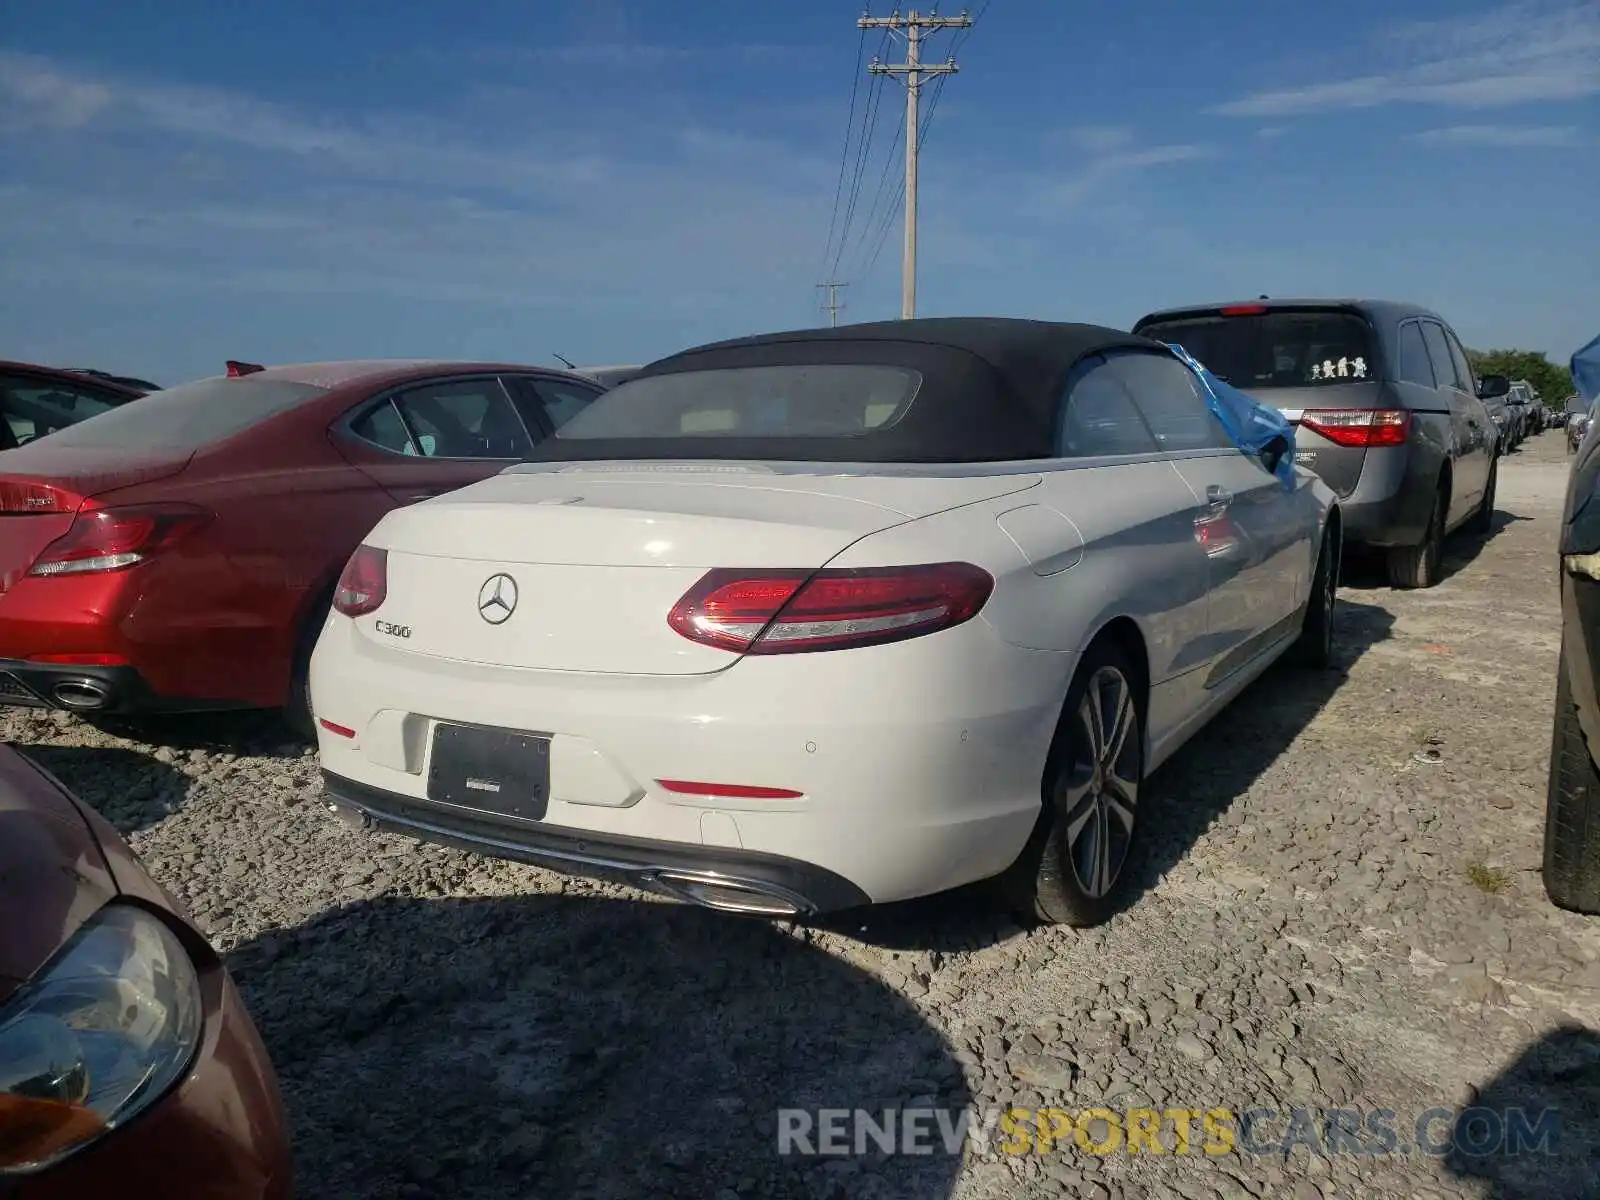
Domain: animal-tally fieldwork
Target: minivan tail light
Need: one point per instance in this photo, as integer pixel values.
(114, 539)
(22, 496)
(1360, 427)
(776, 611)
(364, 584)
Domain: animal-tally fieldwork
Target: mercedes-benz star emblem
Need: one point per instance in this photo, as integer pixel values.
(497, 599)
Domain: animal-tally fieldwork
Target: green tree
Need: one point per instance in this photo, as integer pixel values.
(1552, 381)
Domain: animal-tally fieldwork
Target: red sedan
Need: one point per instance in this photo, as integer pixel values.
(181, 553)
(128, 1064)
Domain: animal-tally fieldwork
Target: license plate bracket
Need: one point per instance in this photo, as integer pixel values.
(493, 770)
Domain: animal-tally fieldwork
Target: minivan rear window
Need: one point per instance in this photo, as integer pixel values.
(185, 418)
(1279, 348)
(821, 400)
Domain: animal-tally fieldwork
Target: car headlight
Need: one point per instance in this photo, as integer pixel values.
(100, 1033)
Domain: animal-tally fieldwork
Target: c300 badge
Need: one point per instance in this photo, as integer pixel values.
(391, 629)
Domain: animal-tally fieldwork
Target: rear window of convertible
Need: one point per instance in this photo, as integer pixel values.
(790, 401)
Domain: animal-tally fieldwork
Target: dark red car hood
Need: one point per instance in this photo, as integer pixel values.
(53, 874)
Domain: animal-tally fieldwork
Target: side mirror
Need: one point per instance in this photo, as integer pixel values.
(1492, 387)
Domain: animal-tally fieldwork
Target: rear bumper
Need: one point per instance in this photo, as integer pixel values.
(911, 768)
(105, 691)
(717, 877)
(1391, 504)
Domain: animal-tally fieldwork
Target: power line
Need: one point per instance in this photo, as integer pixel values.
(912, 26)
(869, 134)
(844, 153)
(877, 215)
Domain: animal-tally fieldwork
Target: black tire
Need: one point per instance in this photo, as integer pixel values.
(1314, 649)
(1572, 811)
(1418, 566)
(297, 712)
(1102, 789)
(1482, 522)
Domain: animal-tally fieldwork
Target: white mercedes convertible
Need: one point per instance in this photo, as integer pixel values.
(807, 621)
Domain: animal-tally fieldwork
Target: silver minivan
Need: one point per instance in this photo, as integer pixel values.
(1388, 411)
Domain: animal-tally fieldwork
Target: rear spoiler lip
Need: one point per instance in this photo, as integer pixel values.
(1162, 316)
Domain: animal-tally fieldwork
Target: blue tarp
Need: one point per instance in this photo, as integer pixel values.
(1251, 424)
(1586, 371)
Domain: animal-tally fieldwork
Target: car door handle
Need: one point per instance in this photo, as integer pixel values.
(1218, 497)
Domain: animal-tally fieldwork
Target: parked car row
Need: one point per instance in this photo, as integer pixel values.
(782, 625)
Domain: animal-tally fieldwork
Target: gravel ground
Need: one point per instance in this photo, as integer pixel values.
(1339, 906)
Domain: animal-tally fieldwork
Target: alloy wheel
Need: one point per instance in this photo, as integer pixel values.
(1098, 794)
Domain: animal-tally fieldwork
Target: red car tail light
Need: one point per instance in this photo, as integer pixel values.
(114, 539)
(1360, 427)
(21, 496)
(767, 611)
(364, 583)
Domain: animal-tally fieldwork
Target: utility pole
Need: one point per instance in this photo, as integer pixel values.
(912, 27)
(833, 306)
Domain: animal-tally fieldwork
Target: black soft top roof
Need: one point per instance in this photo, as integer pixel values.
(988, 394)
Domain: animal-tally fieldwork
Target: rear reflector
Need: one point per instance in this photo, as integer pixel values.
(20, 496)
(114, 539)
(1361, 427)
(364, 584)
(731, 791)
(81, 660)
(1244, 310)
(341, 730)
(797, 611)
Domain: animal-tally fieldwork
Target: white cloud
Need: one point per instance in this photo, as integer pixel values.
(1100, 139)
(1564, 136)
(45, 96)
(1522, 53)
(1100, 171)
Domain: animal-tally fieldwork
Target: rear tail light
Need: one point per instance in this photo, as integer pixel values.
(19, 496)
(795, 611)
(364, 583)
(114, 539)
(1364, 427)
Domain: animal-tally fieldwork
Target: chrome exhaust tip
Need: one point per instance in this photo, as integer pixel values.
(731, 895)
(81, 695)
